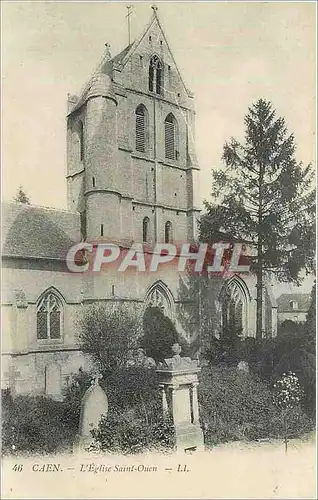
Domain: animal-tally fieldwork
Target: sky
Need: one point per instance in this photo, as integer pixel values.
(229, 54)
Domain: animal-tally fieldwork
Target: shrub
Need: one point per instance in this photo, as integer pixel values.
(128, 432)
(135, 421)
(108, 335)
(238, 406)
(133, 386)
(36, 424)
(159, 334)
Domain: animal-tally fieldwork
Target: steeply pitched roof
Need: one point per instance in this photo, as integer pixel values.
(38, 232)
(154, 19)
(302, 300)
(108, 63)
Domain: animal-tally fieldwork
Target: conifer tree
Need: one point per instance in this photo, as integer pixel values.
(21, 196)
(264, 197)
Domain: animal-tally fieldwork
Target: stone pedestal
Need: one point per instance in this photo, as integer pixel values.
(178, 382)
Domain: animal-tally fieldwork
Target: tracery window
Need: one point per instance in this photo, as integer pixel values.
(49, 317)
(155, 75)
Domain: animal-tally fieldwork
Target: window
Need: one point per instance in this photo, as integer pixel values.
(83, 224)
(168, 232)
(155, 75)
(49, 317)
(171, 138)
(293, 304)
(141, 128)
(145, 229)
(81, 139)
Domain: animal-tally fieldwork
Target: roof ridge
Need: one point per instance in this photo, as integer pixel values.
(31, 205)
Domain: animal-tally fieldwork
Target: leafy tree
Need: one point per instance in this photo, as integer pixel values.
(159, 334)
(310, 325)
(108, 335)
(264, 198)
(21, 196)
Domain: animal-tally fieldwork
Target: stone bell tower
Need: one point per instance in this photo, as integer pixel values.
(132, 167)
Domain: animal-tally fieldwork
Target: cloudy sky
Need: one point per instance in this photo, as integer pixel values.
(229, 54)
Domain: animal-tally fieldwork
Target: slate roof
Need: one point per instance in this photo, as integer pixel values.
(302, 299)
(38, 232)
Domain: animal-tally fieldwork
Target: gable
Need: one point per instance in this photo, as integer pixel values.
(132, 70)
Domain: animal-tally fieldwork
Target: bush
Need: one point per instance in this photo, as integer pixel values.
(108, 335)
(159, 334)
(135, 421)
(128, 432)
(133, 386)
(238, 406)
(36, 424)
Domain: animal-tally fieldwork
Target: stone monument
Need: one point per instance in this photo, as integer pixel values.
(178, 378)
(94, 406)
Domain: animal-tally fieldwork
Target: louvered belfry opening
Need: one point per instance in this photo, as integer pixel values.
(141, 129)
(170, 137)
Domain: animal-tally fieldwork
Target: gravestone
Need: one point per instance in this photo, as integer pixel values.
(11, 376)
(178, 378)
(53, 381)
(94, 406)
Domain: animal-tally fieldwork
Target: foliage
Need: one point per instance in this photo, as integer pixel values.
(289, 326)
(287, 392)
(198, 313)
(21, 196)
(159, 334)
(36, 424)
(310, 325)
(264, 198)
(133, 386)
(134, 422)
(108, 335)
(127, 432)
(286, 200)
(287, 395)
(238, 406)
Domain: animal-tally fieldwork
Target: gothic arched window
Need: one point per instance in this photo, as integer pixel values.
(49, 317)
(234, 300)
(141, 128)
(145, 229)
(160, 296)
(171, 138)
(168, 232)
(155, 75)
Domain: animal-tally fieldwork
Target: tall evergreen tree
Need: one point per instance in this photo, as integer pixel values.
(21, 196)
(264, 197)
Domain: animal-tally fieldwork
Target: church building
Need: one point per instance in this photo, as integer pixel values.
(132, 176)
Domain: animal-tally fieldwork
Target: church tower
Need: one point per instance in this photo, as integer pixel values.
(132, 168)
